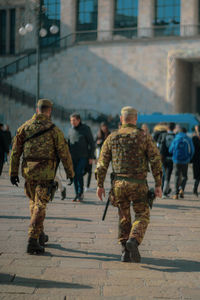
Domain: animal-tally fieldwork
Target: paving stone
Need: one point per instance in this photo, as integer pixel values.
(82, 258)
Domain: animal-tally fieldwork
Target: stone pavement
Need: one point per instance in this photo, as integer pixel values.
(82, 260)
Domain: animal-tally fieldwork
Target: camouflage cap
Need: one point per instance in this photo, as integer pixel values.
(44, 102)
(129, 110)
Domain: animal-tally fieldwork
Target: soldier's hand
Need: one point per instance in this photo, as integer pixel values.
(71, 180)
(100, 193)
(14, 180)
(158, 191)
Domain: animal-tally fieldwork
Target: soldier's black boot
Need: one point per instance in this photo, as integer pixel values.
(43, 238)
(125, 253)
(132, 246)
(34, 247)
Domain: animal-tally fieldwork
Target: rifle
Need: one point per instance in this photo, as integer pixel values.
(112, 176)
(106, 208)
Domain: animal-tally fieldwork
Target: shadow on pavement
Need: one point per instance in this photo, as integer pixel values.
(174, 206)
(95, 255)
(47, 218)
(171, 265)
(40, 283)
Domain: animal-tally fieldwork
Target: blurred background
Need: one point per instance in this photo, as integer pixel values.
(95, 56)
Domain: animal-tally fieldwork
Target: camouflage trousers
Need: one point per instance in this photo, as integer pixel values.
(125, 194)
(37, 193)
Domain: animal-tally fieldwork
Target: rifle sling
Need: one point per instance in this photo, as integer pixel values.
(39, 133)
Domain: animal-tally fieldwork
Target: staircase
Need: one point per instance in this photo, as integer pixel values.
(30, 59)
(27, 98)
(59, 112)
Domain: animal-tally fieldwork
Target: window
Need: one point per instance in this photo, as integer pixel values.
(12, 31)
(167, 17)
(2, 32)
(126, 15)
(87, 19)
(50, 17)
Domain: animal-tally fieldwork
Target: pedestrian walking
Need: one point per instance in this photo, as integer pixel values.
(8, 140)
(102, 134)
(81, 145)
(182, 150)
(42, 145)
(145, 128)
(167, 158)
(196, 160)
(130, 149)
(3, 148)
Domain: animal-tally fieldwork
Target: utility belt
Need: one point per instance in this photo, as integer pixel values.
(129, 179)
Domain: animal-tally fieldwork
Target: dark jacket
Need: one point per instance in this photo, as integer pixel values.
(196, 157)
(3, 144)
(8, 138)
(81, 142)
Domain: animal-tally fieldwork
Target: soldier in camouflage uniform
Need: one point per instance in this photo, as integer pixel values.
(130, 149)
(42, 145)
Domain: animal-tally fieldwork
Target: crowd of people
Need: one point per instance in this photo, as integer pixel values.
(133, 153)
(177, 150)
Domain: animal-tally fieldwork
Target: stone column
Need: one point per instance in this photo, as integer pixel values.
(146, 15)
(105, 19)
(8, 31)
(189, 17)
(68, 17)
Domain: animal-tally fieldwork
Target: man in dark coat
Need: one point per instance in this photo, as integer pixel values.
(3, 147)
(196, 159)
(8, 140)
(81, 145)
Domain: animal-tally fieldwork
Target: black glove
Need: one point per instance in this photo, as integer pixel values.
(71, 180)
(14, 180)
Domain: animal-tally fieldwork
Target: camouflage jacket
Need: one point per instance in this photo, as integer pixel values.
(40, 154)
(130, 149)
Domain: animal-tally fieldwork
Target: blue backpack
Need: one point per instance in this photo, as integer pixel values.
(182, 149)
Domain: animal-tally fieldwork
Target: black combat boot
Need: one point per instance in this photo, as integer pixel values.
(132, 246)
(125, 253)
(34, 247)
(43, 238)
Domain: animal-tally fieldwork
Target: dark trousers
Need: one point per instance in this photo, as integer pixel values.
(89, 175)
(168, 166)
(180, 176)
(1, 163)
(79, 168)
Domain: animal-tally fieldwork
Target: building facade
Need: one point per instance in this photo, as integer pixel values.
(143, 53)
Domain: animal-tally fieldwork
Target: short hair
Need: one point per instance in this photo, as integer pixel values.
(171, 126)
(75, 115)
(183, 129)
(43, 108)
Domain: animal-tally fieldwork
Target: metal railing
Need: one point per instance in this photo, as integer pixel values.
(134, 33)
(30, 59)
(59, 112)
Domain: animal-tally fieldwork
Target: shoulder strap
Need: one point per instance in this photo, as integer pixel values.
(39, 133)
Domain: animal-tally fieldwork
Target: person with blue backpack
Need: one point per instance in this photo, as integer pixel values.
(182, 150)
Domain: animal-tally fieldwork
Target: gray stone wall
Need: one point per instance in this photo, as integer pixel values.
(107, 76)
(15, 114)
